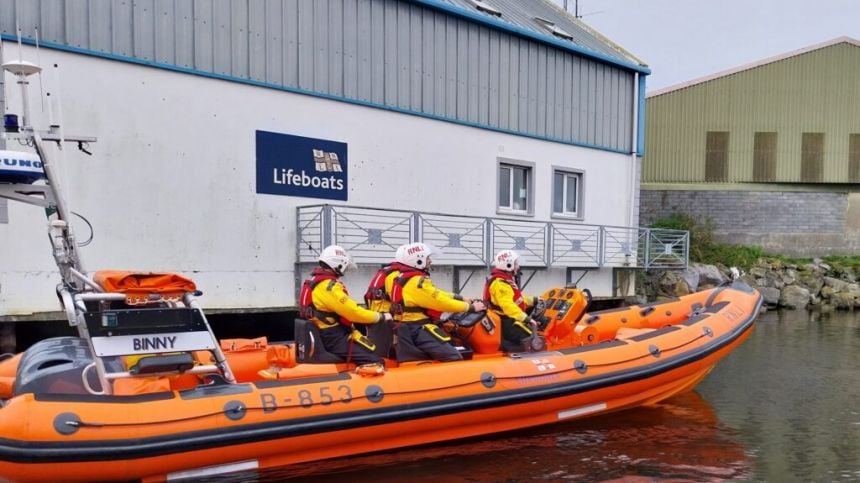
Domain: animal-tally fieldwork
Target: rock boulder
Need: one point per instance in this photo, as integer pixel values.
(794, 297)
(770, 296)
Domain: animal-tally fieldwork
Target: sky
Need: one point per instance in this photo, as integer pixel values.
(681, 40)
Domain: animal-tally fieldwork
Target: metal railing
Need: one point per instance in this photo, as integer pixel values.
(371, 235)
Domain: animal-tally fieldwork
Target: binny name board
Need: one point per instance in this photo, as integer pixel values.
(124, 345)
(290, 165)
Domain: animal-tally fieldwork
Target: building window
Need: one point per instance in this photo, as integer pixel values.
(717, 156)
(567, 193)
(812, 157)
(764, 157)
(515, 188)
(854, 158)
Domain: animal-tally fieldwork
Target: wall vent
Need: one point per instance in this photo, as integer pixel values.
(853, 159)
(717, 156)
(812, 157)
(764, 157)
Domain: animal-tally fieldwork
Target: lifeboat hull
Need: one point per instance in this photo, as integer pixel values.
(220, 428)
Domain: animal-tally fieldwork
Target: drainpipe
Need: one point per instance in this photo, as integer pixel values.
(634, 150)
(633, 239)
(2, 94)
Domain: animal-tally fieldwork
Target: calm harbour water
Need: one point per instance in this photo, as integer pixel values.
(785, 406)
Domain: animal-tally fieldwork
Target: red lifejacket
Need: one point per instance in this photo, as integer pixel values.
(306, 299)
(397, 305)
(497, 274)
(376, 288)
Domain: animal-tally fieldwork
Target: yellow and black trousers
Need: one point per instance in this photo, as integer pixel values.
(422, 340)
(348, 344)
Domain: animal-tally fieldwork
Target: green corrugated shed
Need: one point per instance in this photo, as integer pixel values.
(813, 90)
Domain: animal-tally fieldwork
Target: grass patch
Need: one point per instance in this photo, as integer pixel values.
(703, 248)
(852, 262)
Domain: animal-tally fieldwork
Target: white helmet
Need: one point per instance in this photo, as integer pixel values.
(507, 260)
(336, 258)
(416, 255)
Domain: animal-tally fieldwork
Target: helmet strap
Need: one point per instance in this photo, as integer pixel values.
(325, 266)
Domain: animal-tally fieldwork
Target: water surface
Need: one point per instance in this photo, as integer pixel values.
(785, 406)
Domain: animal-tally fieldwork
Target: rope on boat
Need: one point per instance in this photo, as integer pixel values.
(86, 424)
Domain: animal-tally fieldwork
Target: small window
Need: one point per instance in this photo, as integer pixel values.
(717, 156)
(812, 157)
(853, 159)
(566, 193)
(515, 188)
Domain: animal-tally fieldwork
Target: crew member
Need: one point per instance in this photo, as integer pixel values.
(378, 295)
(326, 302)
(417, 305)
(504, 298)
(378, 299)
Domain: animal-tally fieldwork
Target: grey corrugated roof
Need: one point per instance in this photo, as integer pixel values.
(522, 14)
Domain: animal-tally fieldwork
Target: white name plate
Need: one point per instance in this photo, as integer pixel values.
(124, 345)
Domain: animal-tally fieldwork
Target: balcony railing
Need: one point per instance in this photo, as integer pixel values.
(371, 235)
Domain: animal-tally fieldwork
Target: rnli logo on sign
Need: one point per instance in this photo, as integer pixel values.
(327, 161)
(298, 166)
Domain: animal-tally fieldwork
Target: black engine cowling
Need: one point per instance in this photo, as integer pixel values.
(55, 366)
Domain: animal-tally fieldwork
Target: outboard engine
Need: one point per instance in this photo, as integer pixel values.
(55, 366)
(20, 167)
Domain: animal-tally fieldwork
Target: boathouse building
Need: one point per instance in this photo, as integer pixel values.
(237, 138)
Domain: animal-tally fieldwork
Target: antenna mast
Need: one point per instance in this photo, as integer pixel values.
(48, 195)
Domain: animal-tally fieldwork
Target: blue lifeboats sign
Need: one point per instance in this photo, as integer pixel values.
(299, 166)
(20, 167)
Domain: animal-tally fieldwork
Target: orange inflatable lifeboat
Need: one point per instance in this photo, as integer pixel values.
(146, 391)
(201, 407)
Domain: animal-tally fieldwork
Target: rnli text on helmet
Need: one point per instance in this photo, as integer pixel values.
(287, 177)
(414, 250)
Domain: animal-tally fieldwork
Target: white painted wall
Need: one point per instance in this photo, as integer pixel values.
(172, 183)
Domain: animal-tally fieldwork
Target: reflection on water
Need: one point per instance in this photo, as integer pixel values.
(782, 407)
(792, 393)
(678, 439)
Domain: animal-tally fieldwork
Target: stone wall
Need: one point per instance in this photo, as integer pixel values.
(814, 286)
(802, 224)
